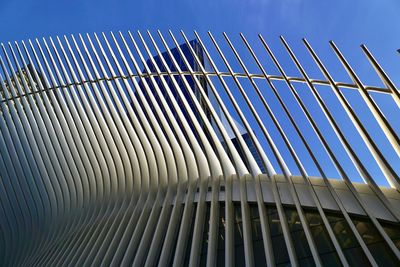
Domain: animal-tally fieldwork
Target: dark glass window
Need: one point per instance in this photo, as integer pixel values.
(347, 241)
(190, 238)
(171, 260)
(205, 236)
(221, 236)
(380, 250)
(322, 240)
(258, 245)
(346, 238)
(238, 233)
(393, 231)
(279, 246)
(302, 249)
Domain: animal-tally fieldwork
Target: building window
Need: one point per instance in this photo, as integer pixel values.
(322, 240)
(190, 237)
(258, 245)
(221, 235)
(205, 236)
(238, 235)
(378, 247)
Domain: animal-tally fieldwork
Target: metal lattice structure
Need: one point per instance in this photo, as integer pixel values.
(115, 153)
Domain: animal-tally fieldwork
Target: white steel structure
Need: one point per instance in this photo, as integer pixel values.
(101, 164)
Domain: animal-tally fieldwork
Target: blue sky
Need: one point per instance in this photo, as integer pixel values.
(348, 23)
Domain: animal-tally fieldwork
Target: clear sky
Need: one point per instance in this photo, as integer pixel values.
(348, 23)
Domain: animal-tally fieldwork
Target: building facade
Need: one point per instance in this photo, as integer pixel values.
(125, 150)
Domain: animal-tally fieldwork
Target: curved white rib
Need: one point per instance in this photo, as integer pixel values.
(114, 153)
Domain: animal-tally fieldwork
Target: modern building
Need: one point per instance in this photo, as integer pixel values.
(108, 160)
(156, 62)
(183, 63)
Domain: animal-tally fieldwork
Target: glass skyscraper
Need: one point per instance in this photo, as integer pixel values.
(193, 86)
